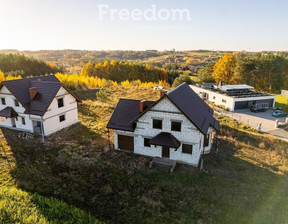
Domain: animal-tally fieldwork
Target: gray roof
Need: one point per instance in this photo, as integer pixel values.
(193, 107)
(47, 88)
(183, 97)
(165, 139)
(124, 113)
(8, 112)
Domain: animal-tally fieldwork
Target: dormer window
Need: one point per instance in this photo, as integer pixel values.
(3, 101)
(60, 102)
(16, 102)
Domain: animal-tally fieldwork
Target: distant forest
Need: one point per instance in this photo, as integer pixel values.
(121, 71)
(266, 71)
(15, 64)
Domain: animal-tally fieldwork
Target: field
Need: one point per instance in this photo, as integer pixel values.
(282, 101)
(74, 177)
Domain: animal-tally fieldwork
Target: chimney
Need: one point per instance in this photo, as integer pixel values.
(33, 92)
(162, 94)
(142, 105)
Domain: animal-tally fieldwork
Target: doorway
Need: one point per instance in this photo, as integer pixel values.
(13, 122)
(165, 152)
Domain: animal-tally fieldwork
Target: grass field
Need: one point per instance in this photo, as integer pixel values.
(75, 171)
(282, 101)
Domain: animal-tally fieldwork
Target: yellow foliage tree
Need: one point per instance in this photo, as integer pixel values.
(224, 68)
(2, 77)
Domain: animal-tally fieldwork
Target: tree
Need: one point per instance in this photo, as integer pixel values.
(205, 74)
(224, 69)
(181, 79)
(87, 69)
(2, 77)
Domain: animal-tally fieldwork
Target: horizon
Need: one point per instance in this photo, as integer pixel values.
(109, 25)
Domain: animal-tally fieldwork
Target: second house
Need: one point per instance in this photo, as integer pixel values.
(179, 126)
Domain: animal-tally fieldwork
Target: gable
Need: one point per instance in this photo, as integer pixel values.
(164, 109)
(191, 105)
(5, 90)
(165, 105)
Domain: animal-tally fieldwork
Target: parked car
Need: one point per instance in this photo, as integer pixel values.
(279, 113)
(258, 108)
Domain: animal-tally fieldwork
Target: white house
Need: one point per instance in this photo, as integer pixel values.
(179, 126)
(233, 97)
(41, 105)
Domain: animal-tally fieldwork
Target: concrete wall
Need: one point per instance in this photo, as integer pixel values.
(167, 112)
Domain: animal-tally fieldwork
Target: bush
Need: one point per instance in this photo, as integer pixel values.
(101, 95)
(181, 79)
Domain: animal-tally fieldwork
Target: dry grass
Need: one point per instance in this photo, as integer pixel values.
(246, 180)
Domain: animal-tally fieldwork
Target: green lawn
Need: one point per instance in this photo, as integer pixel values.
(246, 181)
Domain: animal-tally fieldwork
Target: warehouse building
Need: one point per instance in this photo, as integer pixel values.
(233, 97)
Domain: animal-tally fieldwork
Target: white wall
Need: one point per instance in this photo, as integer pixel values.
(216, 97)
(167, 112)
(51, 117)
(9, 98)
(230, 101)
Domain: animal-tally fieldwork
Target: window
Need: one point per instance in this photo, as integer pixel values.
(223, 101)
(206, 140)
(187, 148)
(214, 97)
(175, 126)
(60, 102)
(3, 101)
(3, 119)
(16, 103)
(146, 142)
(157, 124)
(23, 120)
(62, 118)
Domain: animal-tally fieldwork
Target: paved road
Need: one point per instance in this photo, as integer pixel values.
(267, 121)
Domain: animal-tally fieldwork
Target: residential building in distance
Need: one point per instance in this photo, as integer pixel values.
(233, 97)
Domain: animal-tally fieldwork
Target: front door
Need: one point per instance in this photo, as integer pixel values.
(37, 127)
(165, 152)
(13, 122)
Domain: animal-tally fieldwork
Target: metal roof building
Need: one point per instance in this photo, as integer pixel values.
(233, 97)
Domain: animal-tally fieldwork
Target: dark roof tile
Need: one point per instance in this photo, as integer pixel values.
(165, 139)
(8, 112)
(195, 109)
(125, 111)
(47, 88)
(183, 97)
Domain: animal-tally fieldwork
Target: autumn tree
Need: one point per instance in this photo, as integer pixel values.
(182, 78)
(205, 74)
(2, 77)
(224, 69)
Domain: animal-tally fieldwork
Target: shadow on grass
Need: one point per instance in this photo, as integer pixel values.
(87, 94)
(120, 188)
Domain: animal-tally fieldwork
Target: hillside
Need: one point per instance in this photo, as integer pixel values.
(73, 60)
(246, 180)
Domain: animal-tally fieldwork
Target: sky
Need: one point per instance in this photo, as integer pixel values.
(251, 25)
